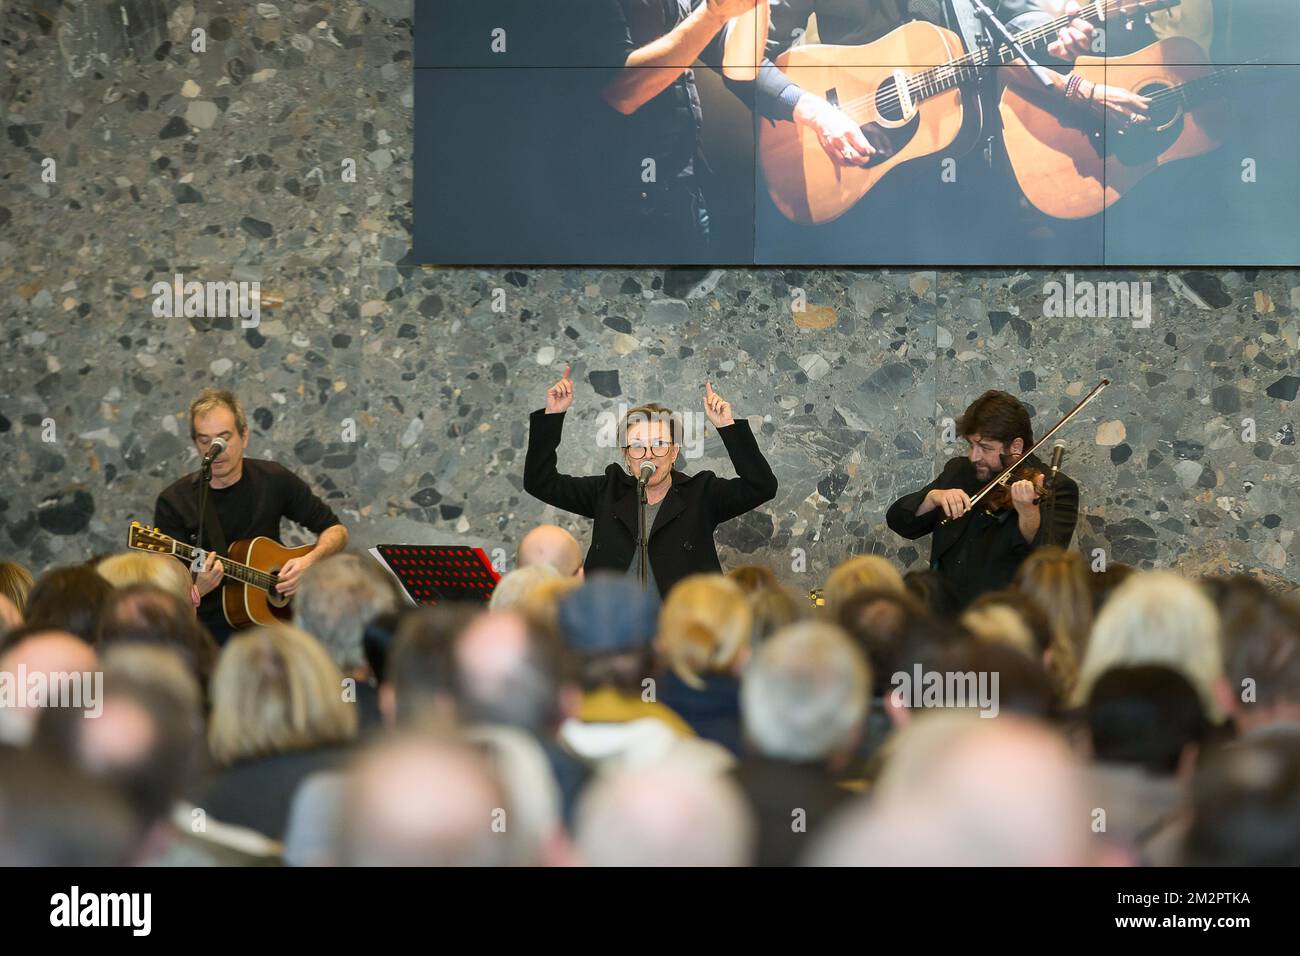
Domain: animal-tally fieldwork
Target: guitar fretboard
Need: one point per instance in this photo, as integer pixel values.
(966, 69)
(233, 569)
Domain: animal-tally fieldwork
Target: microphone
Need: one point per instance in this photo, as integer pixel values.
(1058, 452)
(216, 448)
(647, 471)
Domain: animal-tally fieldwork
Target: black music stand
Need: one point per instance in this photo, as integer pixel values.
(436, 573)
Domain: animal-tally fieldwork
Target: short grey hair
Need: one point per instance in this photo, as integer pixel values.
(805, 692)
(337, 598)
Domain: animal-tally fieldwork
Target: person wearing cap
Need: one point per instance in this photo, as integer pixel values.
(682, 510)
(609, 625)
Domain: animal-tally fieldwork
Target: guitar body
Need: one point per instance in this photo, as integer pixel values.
(1071, 165)
(245, 605)
(804, 183)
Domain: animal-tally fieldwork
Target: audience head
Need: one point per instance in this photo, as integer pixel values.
(68, 599)
(420, 683)
(865, 572)
(1156, 617)
(139, 567)
(15, 584)
(1148, 716)
(10, 617)
(671, 813)
(508, 672)
(1013, 618)
(704, 628)
(33, 651)
(772, 609)
(1246, 804)
(1261, 655)
(516, 585)
(805, 694)
(963, 791)
(551, 545)
(276, 690)
(753, 578)
(417, 800)
(337, 599)
(876, 620)
(609, 624)
(933, 590)
(144, 614)
(52, 814)
(146, 740)
(1058, 581)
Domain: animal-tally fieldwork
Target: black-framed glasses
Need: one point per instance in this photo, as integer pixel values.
(659, 449)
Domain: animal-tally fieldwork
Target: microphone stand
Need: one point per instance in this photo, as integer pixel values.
(644, 565)
(1002, 35)
(205, 476)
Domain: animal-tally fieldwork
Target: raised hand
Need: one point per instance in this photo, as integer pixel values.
(718, 410)
(560, 395)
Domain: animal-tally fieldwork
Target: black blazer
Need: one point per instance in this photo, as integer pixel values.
(980, 552)
(681, 540)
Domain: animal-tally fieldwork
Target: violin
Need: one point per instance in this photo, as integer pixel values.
(996, 495)
(999, 497)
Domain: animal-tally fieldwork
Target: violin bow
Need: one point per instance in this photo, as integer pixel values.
(1002, 477)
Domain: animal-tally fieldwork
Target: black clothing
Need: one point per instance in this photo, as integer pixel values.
(791, 801)
(669, 212)
(258, 793)
(980, 551)
(252, 507)
(713, 711)
(681, 540)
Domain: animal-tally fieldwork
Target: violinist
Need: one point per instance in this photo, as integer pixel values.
(977, 549)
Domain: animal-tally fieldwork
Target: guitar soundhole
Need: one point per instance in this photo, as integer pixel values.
(274, 597)
(1163, 127)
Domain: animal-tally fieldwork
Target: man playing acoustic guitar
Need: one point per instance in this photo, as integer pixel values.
(248, 498)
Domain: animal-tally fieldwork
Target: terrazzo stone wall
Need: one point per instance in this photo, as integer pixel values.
(402, 392)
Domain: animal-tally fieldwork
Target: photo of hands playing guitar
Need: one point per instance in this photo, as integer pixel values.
(937, 132)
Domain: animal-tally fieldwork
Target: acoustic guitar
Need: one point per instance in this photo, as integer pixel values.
(1072, 163)
(248, 594)
(905, 113)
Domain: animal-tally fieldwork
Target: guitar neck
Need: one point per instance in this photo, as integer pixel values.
(1207, 87)
(243, 573)
(967, 68)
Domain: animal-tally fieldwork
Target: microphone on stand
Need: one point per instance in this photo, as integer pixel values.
(216, 448)
(1058, 452)
(647, 472)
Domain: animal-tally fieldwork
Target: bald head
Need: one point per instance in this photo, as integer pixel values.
(43, 652)
(551, 544)
(416, 801)
(964, 791)
(668, 814)
(507, 673)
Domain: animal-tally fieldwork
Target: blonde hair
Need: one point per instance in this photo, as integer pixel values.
(213, 398)
(275, 690)
(1059, 582)
(865, 572)
(135, 567)
(1001, 624)
(516, 585)
(704, 626)
(541, 602)
(1157, 617)
(15, 584)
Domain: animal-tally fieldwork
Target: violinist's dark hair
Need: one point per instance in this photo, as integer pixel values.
(997, 415)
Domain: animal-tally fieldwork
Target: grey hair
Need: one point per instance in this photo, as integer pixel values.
(805, 692)
(337, 599)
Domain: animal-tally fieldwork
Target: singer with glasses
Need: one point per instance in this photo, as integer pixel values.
(245, 498)
(680, 511)
(978, 550)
